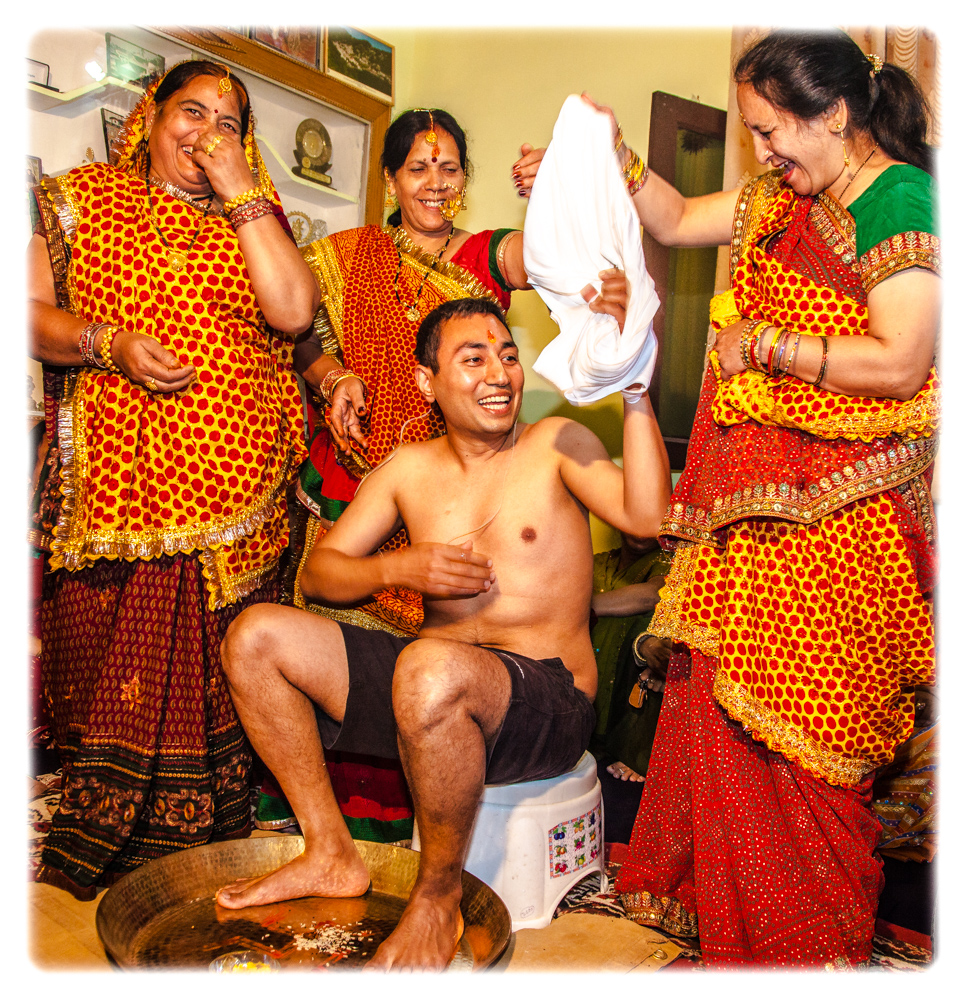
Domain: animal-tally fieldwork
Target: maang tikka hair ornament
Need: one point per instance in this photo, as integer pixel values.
(225, 84)
(431, 139)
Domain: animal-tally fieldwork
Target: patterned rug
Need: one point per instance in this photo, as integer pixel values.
(894, 948)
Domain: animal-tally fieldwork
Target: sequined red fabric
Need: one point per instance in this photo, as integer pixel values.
(768, 865)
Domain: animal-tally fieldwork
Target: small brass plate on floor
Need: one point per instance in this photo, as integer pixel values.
(163, 915)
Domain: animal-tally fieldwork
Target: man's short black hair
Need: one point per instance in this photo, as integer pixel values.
(428, 335)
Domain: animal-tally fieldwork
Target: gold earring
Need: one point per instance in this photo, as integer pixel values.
(390, 201)
(839, 128)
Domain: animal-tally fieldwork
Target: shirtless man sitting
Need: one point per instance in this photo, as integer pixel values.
(499, 685)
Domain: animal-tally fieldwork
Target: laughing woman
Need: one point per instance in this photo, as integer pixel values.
(800, 592)
(165, 296)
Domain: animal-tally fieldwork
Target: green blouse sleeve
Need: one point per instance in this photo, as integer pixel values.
(896, 224)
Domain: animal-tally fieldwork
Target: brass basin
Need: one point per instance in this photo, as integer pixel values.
(163, 914)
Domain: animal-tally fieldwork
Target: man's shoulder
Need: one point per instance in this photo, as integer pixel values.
(564, 434)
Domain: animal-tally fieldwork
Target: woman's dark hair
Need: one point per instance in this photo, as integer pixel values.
(428, 335)
(804, 73)
(182, 74)
(401, 135)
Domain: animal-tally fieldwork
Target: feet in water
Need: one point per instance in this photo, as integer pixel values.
(335, 877)
(426, 938)
(622, 771)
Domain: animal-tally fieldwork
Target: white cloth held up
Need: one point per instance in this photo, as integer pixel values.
(581, 221)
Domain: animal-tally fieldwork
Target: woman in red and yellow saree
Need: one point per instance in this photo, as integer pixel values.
(800, 593)
(377, 285)
(165, 296)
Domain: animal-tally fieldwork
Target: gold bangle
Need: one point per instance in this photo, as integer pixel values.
(822, 366)
(105, 349)
(252, 194)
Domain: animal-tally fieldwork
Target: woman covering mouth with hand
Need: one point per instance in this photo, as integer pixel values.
(165, 296)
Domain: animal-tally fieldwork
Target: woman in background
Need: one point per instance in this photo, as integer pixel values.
(164, 299)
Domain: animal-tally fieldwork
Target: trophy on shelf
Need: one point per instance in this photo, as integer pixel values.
(313, 152)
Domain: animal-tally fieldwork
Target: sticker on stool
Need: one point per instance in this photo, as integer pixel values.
(574, 844)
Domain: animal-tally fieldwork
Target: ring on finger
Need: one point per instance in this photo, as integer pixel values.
(211, 145)
(149, 383)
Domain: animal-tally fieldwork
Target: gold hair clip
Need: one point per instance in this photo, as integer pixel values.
(876, 61)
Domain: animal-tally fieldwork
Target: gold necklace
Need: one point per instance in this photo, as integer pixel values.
(858, 169)
(177, 259)
(412, 310)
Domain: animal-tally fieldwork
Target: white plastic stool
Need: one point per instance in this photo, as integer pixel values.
(534, 840)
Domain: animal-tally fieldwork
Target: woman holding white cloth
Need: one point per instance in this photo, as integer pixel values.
(800, 592)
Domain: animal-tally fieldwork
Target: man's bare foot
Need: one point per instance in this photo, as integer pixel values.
(335, 877)
(426, 938)
(622, 771)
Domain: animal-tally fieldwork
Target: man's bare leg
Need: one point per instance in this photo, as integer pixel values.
(278, 661)
(449, 699)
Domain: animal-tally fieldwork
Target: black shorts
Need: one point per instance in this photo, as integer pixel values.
(547, 727)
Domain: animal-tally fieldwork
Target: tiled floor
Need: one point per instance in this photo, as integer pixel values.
(63, 937)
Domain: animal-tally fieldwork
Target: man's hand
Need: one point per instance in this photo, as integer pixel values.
(613, 298)
(439, 570)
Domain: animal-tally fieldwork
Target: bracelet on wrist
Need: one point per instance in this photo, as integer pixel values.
(822, 364)
(105, 349)
(85, 345)
(635, 173)
(792, 356)
(253, 194)
(750, 344)
(771, 356)
(249, 212)
(777, 370)
(332, 379)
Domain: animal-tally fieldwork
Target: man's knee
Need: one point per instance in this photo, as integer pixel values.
(430, 680)
(250, 640)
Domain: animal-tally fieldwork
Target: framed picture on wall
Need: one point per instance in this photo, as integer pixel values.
(362, 61)
(300, 43)
(111, 122)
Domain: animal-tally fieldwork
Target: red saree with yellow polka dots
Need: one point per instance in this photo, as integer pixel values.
(163, 515)
(800, 594)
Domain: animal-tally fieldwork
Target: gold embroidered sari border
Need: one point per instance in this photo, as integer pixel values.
(327, 323)
(664, 912)
(225, 588)
(782, 737)
(897, 253)
(74, 548)
(667, 621)
(863, 478)
(446, 275)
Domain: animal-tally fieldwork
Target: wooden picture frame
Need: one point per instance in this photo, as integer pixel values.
(361, 61)
(302, 43)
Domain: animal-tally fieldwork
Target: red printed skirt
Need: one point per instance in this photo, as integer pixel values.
(155, 759)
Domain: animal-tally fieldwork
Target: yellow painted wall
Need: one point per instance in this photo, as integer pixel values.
(505, 87)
